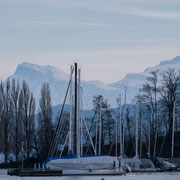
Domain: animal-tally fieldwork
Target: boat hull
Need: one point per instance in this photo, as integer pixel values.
(86, 165)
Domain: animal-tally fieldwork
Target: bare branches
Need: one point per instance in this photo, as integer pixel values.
(45, 126)
(17, 111)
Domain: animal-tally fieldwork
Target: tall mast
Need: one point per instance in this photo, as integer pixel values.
(141, 136)
(81, 120)
(137, 109)
(123, 123)
(116, 136)
(96, 140)
(172, 148)
(120, 127)
(75, 111)
(149, 145)
(100, 124)
(70, 118)
(78, 113)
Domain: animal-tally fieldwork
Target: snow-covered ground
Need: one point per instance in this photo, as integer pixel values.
(137, 176)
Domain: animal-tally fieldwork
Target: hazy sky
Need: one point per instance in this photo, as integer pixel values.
(108, 38)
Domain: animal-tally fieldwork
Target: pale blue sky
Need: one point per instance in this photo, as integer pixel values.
(108, 38)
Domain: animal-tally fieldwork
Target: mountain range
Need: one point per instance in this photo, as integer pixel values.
(36, 75)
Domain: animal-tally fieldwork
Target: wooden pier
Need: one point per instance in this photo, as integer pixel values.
(31, 172)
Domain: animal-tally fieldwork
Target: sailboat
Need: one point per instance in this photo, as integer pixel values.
(76, 162)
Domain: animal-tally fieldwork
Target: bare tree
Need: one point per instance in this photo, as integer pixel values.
(6, 117)
(160, 95)
(1, 115)
(45, 125)
(27, 108)
(108, 124)
(148, 94)
(169, 93)
(15, 91)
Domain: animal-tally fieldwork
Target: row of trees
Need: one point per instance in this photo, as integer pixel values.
(17, 120)
(156, 106)
(158, 103)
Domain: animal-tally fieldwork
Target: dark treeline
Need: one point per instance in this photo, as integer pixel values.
(17, 121)
(156, 106)
(159, 105)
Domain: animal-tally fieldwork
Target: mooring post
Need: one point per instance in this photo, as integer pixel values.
(114, 166)
(34, 166)
(22, 151)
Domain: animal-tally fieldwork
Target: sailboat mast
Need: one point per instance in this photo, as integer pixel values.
(141, 135)
(81, 120)
(75, 111)
(70, 118)
(100, 124)
(172, 148)
(120, 128)
(137, 109)
(78, 113)
(149, 141)
(116, 136)
(123, 123)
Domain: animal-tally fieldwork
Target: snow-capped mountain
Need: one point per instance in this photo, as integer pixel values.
(133, 81)
(36, 75)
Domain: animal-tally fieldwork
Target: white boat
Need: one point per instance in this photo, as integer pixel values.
(79, 164)
(85, 165)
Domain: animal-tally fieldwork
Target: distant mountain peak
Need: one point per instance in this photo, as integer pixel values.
(35, 75)
(28, 69)
(173, 61)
